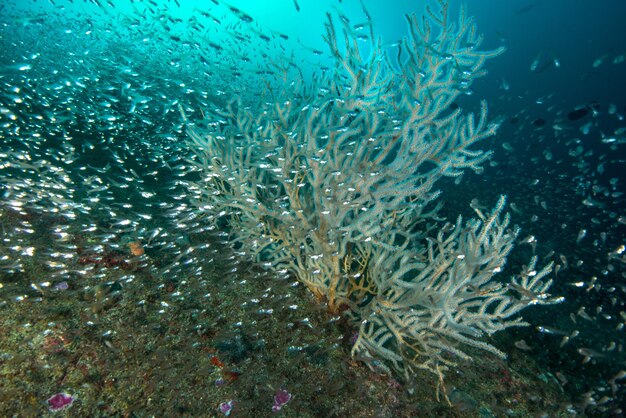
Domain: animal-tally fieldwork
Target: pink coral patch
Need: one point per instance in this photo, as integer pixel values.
(60, 401)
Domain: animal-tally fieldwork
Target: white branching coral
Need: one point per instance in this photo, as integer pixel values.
(428, 305)
(332, 180)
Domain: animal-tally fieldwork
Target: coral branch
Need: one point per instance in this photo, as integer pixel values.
(332, 181)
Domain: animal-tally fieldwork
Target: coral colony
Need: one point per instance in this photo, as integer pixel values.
(334, 182)
(226, 407)
(60, 401)
(280, 399)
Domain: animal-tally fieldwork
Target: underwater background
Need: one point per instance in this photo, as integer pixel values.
(117, 300)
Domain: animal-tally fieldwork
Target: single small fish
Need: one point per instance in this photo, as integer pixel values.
(599, 61)
(589, 354)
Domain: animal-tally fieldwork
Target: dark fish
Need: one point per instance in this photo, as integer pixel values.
(245, 17)
(216, 46)
(295, 3)
(514, 120)
(539, 122)
(242, 16)
(578, 113)
(526, 8)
